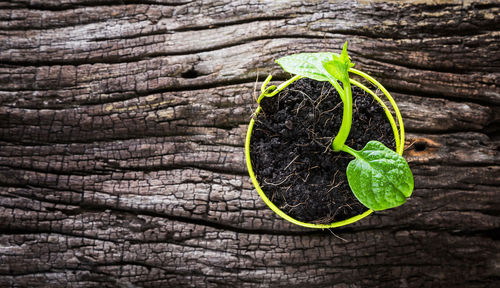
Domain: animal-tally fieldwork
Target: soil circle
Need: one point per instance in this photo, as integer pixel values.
(291, 152)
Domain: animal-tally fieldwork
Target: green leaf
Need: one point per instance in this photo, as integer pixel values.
(321, 66)
(344, 57)
(338, 66)
(379, 177)
(308, 65)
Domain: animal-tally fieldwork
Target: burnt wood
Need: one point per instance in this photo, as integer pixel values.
(122, 130)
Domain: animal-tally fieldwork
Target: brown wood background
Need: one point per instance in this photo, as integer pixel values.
(121, 144)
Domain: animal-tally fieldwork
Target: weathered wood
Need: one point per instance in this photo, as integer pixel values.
(122, 129)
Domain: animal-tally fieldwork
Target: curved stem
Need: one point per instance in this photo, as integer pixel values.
(337, 87)
(264, 84)
(282, 86)
(345, 127)
(349, 150)
(393, 103)
(386, 110)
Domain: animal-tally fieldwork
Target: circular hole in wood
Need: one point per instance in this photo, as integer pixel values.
(191, 73)
(420, 146)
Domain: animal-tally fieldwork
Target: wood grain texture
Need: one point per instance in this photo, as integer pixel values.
(122, 129)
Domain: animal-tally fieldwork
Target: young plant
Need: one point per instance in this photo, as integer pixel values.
(379, 177)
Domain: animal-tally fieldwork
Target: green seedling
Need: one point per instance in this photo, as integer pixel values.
(379, 177)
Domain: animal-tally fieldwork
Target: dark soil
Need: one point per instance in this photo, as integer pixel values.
(291, 149)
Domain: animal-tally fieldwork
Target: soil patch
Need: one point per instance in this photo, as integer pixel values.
(291, 150)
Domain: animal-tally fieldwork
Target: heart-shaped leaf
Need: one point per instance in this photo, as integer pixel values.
(379, 177)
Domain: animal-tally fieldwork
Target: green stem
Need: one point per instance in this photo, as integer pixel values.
(345, 127)
(393, 103)
(339, 89)
(351, 151)
(283, 85)
(386, 110)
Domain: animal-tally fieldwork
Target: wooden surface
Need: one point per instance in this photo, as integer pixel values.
(121, 144)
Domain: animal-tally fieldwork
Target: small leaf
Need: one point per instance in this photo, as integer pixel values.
(337, 69)
(309, 65)
(338, 66)
(379, 177)
(344, 57)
